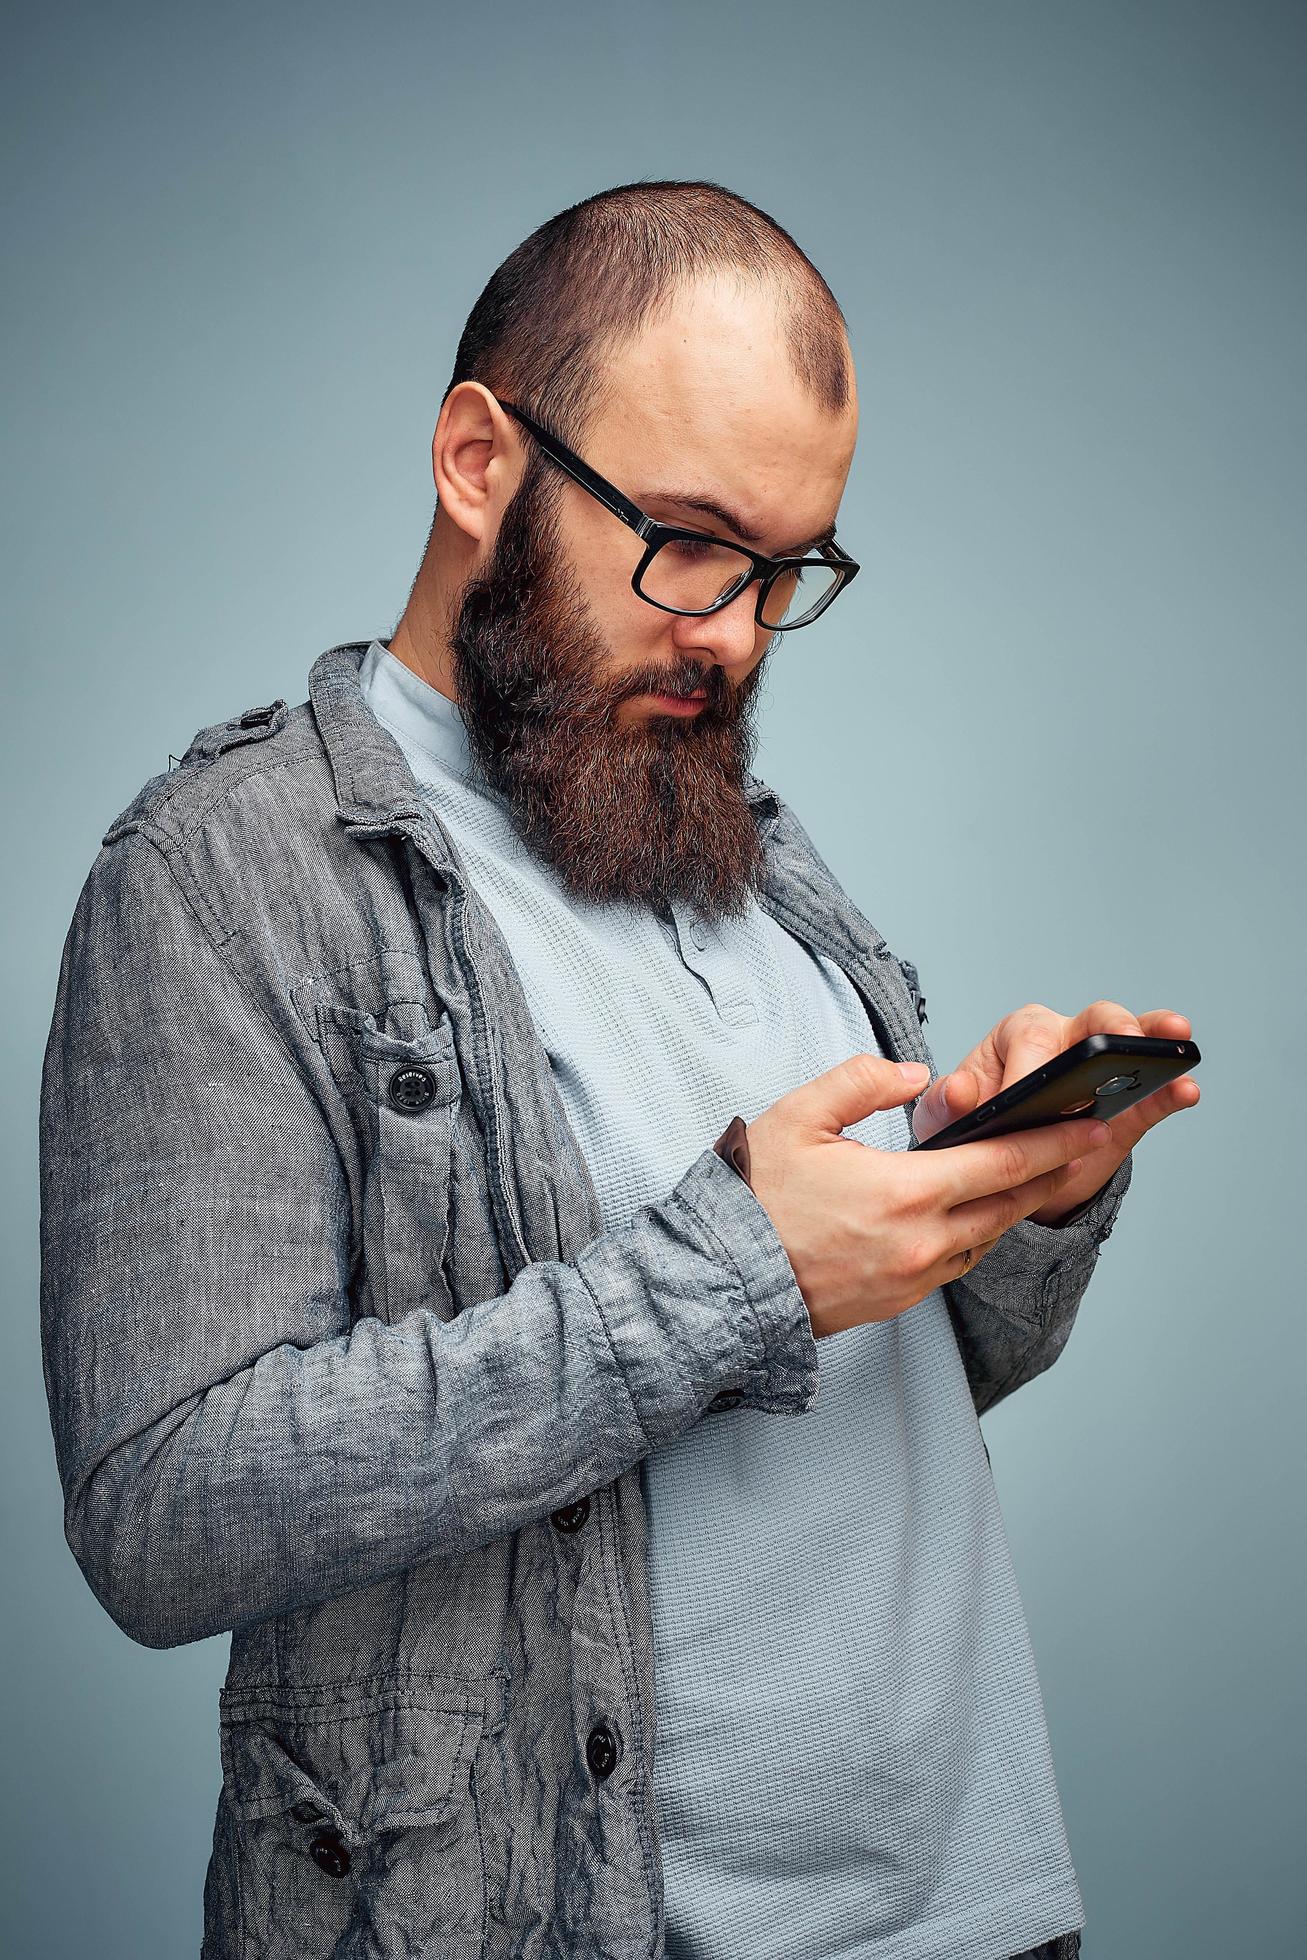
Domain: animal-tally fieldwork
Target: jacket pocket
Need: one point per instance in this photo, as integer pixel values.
(404, 1082)
(353, 1821)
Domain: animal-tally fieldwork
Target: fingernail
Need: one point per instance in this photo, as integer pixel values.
(1101, 1132)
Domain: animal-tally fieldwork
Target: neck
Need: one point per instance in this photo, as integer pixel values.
(421, 637)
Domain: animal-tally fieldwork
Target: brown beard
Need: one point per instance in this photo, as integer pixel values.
(643, 815)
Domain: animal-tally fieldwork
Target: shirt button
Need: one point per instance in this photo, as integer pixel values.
(412, 1088)
(572, 1516)
(731, 1398)
(698, 935)
(329, 1854)
(601, 1751)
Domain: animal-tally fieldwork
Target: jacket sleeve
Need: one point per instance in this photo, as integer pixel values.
(1013, 1313)
(230, 1443)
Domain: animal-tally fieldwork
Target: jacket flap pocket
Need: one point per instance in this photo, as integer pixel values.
(375, 1761)
(363, 1053)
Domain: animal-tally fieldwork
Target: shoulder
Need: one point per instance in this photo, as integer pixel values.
(272, 754)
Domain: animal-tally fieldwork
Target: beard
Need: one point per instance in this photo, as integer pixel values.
(649, 814)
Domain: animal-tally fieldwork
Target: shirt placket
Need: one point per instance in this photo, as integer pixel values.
(702, 951)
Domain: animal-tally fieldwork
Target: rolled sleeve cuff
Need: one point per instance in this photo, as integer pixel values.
(717, 1320)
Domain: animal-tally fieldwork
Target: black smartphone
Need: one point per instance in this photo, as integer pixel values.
(1100, 1076)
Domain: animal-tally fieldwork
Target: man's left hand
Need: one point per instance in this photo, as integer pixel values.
(1026, 1040)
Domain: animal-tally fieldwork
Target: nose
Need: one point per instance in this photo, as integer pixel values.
(730, 636)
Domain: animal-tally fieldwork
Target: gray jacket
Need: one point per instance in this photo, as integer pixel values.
(339, 1356)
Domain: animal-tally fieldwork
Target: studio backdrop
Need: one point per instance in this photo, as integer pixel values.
(1050, 743)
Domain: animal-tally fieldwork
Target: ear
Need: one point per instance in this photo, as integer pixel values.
(477, 459)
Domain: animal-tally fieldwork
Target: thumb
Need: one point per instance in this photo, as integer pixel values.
(852, 1089)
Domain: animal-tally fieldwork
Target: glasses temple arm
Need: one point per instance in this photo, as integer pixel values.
(599, 487)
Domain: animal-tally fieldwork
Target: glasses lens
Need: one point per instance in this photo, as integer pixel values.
(691, 574)
(796, 595)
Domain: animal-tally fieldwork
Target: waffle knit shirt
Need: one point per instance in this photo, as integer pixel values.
(852, 1757)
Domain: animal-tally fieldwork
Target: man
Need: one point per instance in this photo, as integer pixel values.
(391, 1273)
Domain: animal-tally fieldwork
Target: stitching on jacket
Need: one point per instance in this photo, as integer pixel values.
(184, 782)
(613, 1351)
(735, 1272)
(219, 947)
(398, 1681)
(625, 1652)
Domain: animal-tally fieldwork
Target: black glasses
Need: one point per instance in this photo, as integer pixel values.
(694, 573)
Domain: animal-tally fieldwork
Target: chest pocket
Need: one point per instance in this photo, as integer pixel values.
(404, 1084)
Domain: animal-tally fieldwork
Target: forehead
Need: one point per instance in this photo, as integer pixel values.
(705, 399)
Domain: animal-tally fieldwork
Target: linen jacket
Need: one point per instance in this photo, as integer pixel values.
(341, 1360)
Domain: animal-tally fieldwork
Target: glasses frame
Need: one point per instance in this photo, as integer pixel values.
(655, 534)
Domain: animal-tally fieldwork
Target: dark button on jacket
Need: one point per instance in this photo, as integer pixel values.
(330, 1854)
(601, 1750)
(412, 1088)
(572, 1516)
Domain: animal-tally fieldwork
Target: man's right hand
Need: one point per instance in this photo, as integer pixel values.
(870, 1232)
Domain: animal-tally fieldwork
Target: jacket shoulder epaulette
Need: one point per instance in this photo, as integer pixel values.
(206, 745)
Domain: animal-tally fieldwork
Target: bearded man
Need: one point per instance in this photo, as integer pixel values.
(409, 1313)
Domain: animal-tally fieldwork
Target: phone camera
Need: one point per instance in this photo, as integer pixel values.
(1117, 1085)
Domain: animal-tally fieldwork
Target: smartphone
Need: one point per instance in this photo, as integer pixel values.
(1100, 1076)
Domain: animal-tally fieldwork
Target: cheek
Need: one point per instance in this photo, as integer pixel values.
(604, 555)
(636, 632)
(611, 596)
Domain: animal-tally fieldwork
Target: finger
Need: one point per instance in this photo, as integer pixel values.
(986, 1246)
(990, 1164)
(1165, 1022)
(1101, 1017)
(947, 1098)
(957, 1270)
(988, 1218)
(953, 1268)
(1028, 1039)
(1150, 1110)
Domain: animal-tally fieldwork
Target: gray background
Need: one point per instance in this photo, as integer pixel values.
(1049, 743)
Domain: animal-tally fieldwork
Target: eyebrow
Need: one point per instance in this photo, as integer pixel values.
(731, 520)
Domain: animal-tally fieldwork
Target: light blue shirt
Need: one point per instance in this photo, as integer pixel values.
(852, 1757)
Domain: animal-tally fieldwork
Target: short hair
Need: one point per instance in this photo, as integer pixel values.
(595, 275)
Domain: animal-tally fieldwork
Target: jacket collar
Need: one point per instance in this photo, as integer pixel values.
(374, 784)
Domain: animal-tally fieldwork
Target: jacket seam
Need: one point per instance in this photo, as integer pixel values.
(639, 1751)
(194, 902)
(617, 1360)
(735, 1273)
(183, 784)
